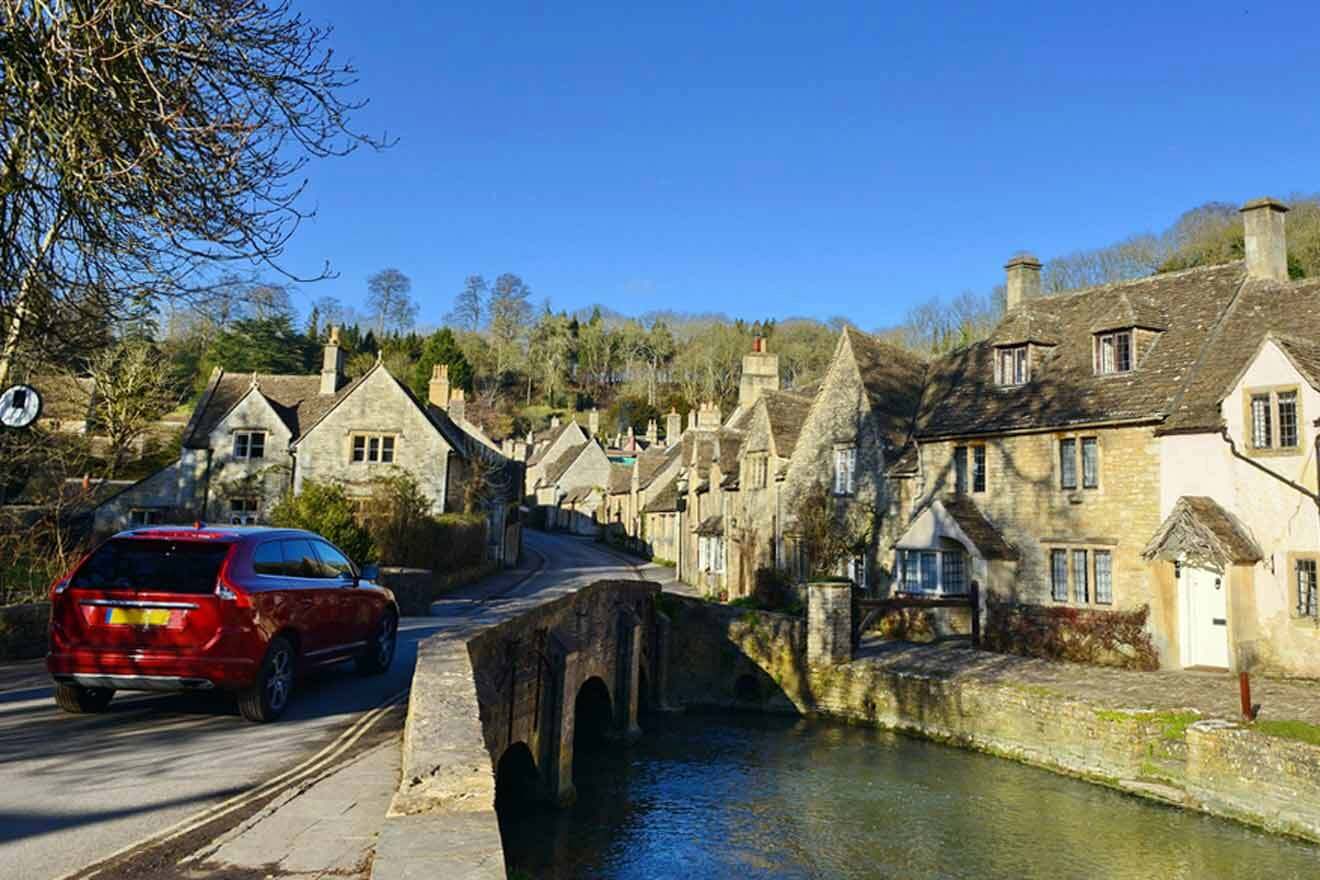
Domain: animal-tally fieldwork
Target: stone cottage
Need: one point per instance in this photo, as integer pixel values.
(253, 438)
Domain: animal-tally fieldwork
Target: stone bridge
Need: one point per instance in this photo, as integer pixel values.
(497, 713)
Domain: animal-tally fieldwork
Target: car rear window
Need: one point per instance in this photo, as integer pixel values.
(151, 566)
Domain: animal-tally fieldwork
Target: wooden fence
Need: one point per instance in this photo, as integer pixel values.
(867, 611)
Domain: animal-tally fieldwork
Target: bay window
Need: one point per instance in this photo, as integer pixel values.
(934, 572)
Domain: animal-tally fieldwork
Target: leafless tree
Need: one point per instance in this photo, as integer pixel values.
(470, 304)
(389, 304)
(146, 142)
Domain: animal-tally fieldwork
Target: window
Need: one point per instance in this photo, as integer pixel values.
(859, 571)
(1260, 422)
(300, 560)
(145, 516)
(333, 563)
(1308, 602)
(372, 449)
(242, 511)
(1287, 419)
(1113, 352)
(1082, 575)
(1011, 365)
(953, 572)
(845, 463)
(1090, 462)
(1104, 577)
(1068, 463)
(940, 572)
(963, 480)
(269, 559)
(250, 444)
(1274, 419)
(711, 553)
(1081, 591)
(758, 469)
(1059, 575)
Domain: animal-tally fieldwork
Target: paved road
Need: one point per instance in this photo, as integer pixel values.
(75, 789)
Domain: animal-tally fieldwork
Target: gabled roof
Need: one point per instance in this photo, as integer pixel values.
(962, 398)
(786, 413)
(555, 469)
(1304, 354)
(958, 518)
(1199, 531)
(620, 479)
(665, 501)
(1132, 310)
(295, 399)
(652, 461)
(1026, 324)
(894, 379)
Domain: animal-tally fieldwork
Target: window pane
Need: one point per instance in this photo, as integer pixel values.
(978, 468)
(1104, 577)
(373, 449)
(359, 448)
(929, 571)
(1260, 421)
(257, 446)
(1090, 462)
(911, 571)
(1020, 366)
(1068, 463)
(240, 446)
(153, 566)
(1123, 352)
(334, 563)
(1306, 588)
(1288, 419)
(268, 559)
(1059, 575)
(300, 560)
(960, 469)
(955, 573)
(1106, 354)
(387, 449)
(1081, 593)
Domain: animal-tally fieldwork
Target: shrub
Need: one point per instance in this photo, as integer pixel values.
(1079, 635)
(399, 519)
(326, 509)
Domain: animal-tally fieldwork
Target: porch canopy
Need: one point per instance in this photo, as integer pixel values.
(1199, 532)
(956, 519)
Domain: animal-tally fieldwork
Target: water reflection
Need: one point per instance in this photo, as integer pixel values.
(746, 796)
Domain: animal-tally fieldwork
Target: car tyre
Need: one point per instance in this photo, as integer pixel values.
(269, 695)
(379, 653)
(81, 700)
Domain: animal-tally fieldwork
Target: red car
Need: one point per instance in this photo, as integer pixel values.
(245, 610)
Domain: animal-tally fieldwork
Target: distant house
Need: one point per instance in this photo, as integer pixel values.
(253, 438)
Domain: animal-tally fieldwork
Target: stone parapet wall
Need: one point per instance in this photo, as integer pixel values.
(1176, 756)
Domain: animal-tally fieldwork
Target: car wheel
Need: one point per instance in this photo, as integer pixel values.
(81, 700)
(380, 650)
(269, 695)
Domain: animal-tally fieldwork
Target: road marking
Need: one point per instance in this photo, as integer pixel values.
(308, 767)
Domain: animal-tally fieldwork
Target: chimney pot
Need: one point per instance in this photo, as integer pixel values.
(457, 405)
(332, 364)
(1266, 239)
(438, 391)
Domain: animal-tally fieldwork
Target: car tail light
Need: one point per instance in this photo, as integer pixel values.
(228, 592)
(61, 585)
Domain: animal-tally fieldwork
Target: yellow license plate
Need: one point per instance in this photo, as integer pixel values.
(139, 616)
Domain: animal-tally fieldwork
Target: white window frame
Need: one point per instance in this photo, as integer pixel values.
(377, 448)
(1012, 365)
(248, 514)
(244, 439)
(1089, 582)
(1107, 348)
(845, 470)
(911, 578)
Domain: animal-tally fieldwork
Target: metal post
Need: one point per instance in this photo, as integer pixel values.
(976, 614)
(1244, 692)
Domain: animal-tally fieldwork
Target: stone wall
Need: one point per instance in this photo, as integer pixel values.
(735, 657)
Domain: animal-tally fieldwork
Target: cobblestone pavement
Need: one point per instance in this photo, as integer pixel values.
(1213, 694)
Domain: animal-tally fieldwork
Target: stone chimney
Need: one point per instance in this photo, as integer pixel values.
(554, 422)
(691, 419)
(673, 427)
(1267, 244)
(332, 365)
(652, 432)
(437, 392)
(1023, 280)
(593, 421)
(457, 405)
(708, 417)
(760, 371)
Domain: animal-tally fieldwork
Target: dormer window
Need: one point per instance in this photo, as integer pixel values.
(1012, 365)
(1113, 352)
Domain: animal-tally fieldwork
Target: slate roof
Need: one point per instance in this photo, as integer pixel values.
(1289, 310)
(1198, 529)
(620, 479)
(786, 413)
(544, 443)
(1182, 374)
(894, 379)
(652, 461)
(711, 525)
(579, 494)
(665, 501)
(983, 533)
(296, 400)
(555, 469)
(1305, 355)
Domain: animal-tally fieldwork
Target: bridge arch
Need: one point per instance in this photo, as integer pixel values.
(593, 714)
(517, 781)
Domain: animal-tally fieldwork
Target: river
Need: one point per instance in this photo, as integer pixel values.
(749, 796)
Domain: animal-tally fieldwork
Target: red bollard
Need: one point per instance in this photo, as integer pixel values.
(1244, 691)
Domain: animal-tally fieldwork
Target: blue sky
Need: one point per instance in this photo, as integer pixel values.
(769, 159)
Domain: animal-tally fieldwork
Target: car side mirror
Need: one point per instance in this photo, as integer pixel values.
(369, 573)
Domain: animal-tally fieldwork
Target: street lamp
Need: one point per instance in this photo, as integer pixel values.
(681, 485)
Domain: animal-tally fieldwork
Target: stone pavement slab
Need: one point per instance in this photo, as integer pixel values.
(1213, 694)
(444, 846)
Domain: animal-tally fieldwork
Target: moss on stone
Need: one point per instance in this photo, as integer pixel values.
(1172, 723)
(1299, 731)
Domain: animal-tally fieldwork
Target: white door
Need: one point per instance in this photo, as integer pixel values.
(1205, 617)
